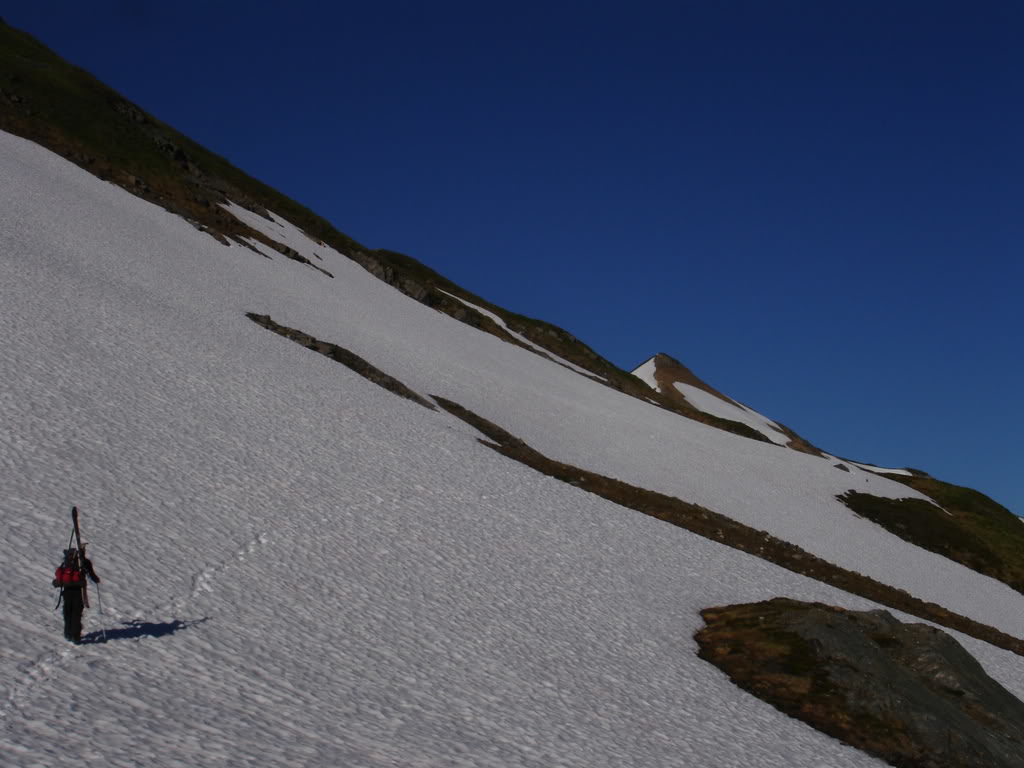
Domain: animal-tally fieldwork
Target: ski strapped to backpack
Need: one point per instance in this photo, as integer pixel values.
(72, 574)
(81, 554)
(73, 570)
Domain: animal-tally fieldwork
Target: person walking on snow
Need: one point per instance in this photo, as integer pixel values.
(70, 577)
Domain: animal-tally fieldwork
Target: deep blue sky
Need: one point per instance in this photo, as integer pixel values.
(815, 205)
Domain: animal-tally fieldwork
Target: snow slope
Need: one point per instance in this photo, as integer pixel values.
(302, 569)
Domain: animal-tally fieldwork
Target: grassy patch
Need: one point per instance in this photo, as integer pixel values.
(761, 654)
(970, 529)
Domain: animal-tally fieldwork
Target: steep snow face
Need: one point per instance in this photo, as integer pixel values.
(301, 569)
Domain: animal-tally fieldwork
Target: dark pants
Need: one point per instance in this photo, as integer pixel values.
(73, 605)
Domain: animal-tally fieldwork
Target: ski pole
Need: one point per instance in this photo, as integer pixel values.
(99, 599)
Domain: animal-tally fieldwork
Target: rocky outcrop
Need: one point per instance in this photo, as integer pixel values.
(906, 693)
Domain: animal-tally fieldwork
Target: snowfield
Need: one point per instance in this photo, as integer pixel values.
(302, 569)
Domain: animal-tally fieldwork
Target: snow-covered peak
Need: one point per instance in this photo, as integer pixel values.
(670, 377)
(645, 372)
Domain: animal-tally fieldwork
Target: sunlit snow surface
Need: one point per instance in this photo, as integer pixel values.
(646, 373)
(302, 569)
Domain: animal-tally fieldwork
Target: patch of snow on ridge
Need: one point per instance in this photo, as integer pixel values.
(500, 322)
(279, 230)
(716, 406)
(881, 470)
(646, 374)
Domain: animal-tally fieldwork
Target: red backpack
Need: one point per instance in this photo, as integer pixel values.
(69, 575)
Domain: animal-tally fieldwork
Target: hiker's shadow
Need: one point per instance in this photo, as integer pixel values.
(131, 630)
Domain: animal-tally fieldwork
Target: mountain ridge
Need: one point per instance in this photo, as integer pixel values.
(63, 108)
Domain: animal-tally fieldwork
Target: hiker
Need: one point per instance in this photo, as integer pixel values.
(70, 577)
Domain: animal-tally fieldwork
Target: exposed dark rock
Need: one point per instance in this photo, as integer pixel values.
(842, 467)
(906, 693)
(130, 111)
(246, 244)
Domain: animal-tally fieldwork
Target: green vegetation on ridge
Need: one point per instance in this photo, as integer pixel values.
(969, 528)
